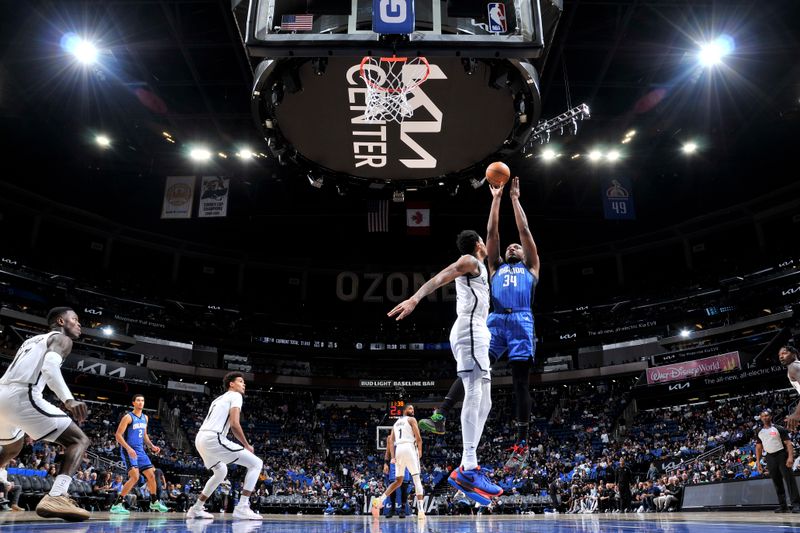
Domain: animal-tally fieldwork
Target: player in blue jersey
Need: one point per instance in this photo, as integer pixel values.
(132, 437)
(513, 282)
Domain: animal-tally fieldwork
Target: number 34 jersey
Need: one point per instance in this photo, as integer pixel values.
(512, 288)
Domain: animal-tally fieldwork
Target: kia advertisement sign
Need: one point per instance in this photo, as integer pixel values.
(459, 119)
(692, 369)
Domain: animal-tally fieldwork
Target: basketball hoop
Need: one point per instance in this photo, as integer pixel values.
(389, 80)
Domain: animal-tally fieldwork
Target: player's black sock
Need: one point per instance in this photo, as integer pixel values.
(455, 394)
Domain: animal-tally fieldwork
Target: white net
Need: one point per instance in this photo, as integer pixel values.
(389, 80)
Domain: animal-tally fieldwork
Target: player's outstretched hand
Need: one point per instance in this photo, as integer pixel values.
(791, 422)
(497, 192)
(513, 192)
(403, 309)
(78, 410)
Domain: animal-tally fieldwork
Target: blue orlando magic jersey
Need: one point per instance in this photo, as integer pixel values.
(134, 435)
(512, 288)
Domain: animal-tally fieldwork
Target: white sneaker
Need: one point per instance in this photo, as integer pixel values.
(420, 514)
(198, 513)
(245, 513)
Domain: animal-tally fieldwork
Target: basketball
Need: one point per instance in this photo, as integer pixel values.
(498, 173)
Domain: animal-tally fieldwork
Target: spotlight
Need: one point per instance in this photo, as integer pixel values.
(549, 154)
(595, 155)
(200, 154)
(685, 333)
(475, 182)
(108, 331)
(630, 133)
(315, 182)
(223, 155)
(576, 156)
(83, 50)
(712, 53)
(689, 148)
(612, 155)
(244, 154)
(102, 141)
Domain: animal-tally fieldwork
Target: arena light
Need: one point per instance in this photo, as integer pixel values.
(102, 141)
(685, 333)
(108, 331)
(549, 155)
(576, 156)
(595, 155)
(223, 155)
(244, 153)
(613, 155)
(630, 134)
(200, 154)
(712, 53)
(689, 148)
(83, 50)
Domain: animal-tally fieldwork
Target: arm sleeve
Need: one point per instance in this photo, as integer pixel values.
(51, 369)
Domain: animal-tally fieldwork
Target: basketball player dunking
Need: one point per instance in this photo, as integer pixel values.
(24, 410)
(132, 437)
(404, 445)
(788, 356)
(469, 340)
(511, 325)
(217, 451)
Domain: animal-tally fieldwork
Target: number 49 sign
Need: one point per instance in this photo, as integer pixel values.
(618, 200)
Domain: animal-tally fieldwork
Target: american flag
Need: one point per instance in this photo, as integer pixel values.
(297, 22)
(378, 216)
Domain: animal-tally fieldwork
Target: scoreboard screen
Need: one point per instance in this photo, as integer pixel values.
(395, 408)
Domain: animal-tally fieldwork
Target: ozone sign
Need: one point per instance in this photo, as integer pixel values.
(459, 120)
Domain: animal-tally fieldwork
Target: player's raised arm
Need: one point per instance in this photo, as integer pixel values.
(493, 231)
(466, 264)
(525, 236)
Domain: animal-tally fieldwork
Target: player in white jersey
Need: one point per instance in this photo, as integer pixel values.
(217, 451)
(24, 410)
(788, 356)
(469, 340)
(404, 445)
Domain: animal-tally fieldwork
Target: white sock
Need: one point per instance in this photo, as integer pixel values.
(60, 485)
(244, 502)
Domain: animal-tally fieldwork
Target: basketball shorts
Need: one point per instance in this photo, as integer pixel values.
(141, 461)
(469, 340)
(406, 459)
(21, 411)
(512, 335)
(215, 448)
(393, 474)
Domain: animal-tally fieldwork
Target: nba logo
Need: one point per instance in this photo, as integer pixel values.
(497, 17)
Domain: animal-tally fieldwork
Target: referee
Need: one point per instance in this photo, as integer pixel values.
(774, 440)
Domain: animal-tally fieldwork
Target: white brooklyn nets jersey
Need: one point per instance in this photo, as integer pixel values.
(795, 384)
(403, 433)
(26, 368)
(472, 295)
(217, 419)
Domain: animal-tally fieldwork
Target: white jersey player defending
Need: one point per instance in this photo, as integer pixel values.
(405, 448)
(469, 340)
(217, 451)
(24, 410)
(788, 357)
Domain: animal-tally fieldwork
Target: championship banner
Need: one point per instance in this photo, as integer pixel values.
(692, 369)
(178, 197)
(213, 197)
(618, 200)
